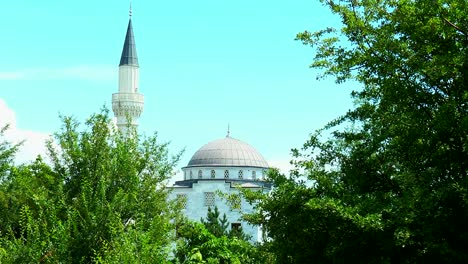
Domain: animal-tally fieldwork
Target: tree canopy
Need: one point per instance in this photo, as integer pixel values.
(102, 199)
(210, 241)
(387, 181)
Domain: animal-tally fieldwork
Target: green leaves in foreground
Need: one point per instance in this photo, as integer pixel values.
(211, 242)
(389, 184)
(102, 200)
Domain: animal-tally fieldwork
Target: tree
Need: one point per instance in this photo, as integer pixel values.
(102, 200)
(214, 224)
(390, 182)
(7, 152)
(211, 242)
(32, 227)
(219, 226)
(115, 183)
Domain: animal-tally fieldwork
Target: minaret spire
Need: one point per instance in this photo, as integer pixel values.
(228, 132)
(127, 104)
(129, 54)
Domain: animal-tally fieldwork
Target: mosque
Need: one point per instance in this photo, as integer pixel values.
(221, 166)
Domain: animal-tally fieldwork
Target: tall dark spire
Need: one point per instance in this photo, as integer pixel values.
(129, 54)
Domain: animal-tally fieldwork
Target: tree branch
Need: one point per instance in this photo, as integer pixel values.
(454, 26)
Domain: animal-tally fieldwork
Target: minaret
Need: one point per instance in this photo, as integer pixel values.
(127, 104)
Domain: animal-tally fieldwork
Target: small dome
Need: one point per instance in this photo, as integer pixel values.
(227, 151)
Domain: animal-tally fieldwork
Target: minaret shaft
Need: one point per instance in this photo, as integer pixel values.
(128, 79)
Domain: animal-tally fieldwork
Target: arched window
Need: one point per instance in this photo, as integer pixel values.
(241, 174)
(226, 174)
(191, 175)
(254, 175)
(185, 175)
(200, 174)
(213, 174)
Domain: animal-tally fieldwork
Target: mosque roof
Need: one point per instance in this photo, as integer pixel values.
(227, 151)
(129, 54)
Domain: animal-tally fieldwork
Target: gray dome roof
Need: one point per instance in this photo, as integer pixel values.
(227, 151)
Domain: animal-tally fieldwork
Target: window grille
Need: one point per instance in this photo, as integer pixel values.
(226, 174)
(213, 174)
(241, 174)
(209, 198)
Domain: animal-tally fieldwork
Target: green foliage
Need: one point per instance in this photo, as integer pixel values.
(7, 152)
(197, 245)
(214, 224)
(211, 242)
(220, 226)
(102, 200)
(390, 183)
(31, 224)
(113, 181)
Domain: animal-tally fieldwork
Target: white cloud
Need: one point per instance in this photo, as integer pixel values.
(34, 142)
(80, 72)
(11, 75)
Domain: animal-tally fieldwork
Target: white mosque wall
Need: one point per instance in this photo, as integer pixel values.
(196, 204)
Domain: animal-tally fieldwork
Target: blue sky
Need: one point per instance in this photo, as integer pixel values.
(203, 64)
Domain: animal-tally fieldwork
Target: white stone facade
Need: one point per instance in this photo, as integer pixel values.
(201, 194)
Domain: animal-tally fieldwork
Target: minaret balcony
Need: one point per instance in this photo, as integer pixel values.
(127, 103)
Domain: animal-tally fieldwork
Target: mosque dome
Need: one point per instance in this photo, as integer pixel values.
(227, 151)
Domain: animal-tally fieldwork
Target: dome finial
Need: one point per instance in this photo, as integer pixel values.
(228, 132)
